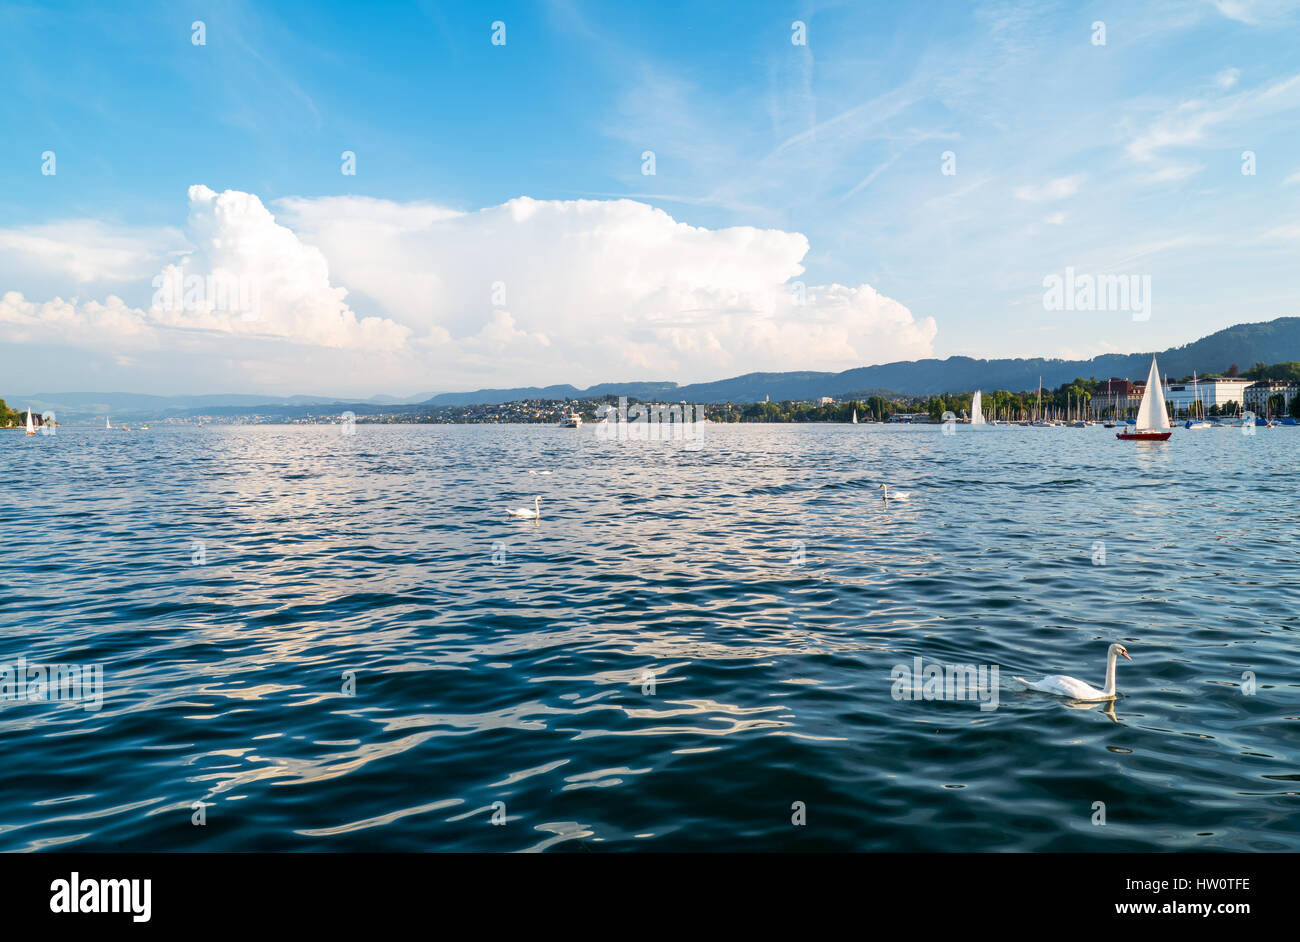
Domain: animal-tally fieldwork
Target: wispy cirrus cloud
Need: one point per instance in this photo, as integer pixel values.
(1256, 12)
(1058, 189)
(1192, 123)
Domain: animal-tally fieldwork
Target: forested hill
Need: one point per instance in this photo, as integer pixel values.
(1242, 345)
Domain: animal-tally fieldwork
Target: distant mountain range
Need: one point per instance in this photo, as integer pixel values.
(1244, 344)
(76, 406)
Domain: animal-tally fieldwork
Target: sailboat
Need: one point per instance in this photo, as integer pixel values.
(1038, 410)
(1152, 423)
(1198, 415)
(107, 423)
(976, 412)
(31, 429)
(855, 416)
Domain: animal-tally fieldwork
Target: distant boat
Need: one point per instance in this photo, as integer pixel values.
(1198, 420)
(855, 416)
(31, 429)
(572, 420)
(107, 422)
(1039, 421)
(1152, 423)
(144, 426)
(976, 412)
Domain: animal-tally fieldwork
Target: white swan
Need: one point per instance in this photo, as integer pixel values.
(525, 513)
(897, 495)
(1076, 689)
(541, 472)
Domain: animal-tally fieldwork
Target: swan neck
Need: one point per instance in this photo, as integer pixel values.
(1110, 673)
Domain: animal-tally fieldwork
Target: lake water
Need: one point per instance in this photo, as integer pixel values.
(691, 650)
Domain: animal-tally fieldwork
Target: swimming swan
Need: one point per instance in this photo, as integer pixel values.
(525, 513)
(897, 495)
(1076, 689)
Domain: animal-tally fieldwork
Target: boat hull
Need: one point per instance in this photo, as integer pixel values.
(1144, 436)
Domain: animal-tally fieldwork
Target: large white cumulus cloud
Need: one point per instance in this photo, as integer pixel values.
(413, 296)
(274, 285)
(586, 291)
(243, 275)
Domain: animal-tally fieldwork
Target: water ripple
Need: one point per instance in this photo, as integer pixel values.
(689, 651)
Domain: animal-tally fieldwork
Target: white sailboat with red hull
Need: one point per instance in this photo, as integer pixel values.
(1152, 420)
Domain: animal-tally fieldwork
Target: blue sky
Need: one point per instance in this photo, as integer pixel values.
(1121, 158)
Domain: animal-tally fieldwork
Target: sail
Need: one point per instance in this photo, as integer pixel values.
(1151, 413)
(976, 413)
(855, 416)
(30, 427)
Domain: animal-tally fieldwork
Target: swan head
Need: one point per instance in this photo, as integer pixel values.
(1120, 650)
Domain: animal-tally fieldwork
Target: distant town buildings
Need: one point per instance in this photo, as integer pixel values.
(1115, 396)
(1257, 396)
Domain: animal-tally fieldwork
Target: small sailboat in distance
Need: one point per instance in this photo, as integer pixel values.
(976, 412)
(107, 422)
(1197, 420)
(855, 416)
(31, 429)
(1152, 423)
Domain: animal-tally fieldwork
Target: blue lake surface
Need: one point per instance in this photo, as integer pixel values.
(689, 651)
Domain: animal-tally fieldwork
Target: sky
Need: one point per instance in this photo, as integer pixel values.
(403, 198)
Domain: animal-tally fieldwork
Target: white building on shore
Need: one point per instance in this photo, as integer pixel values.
(1216, 391)
(1259, 394)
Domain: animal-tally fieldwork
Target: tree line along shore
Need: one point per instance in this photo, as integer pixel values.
(1068, 399)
